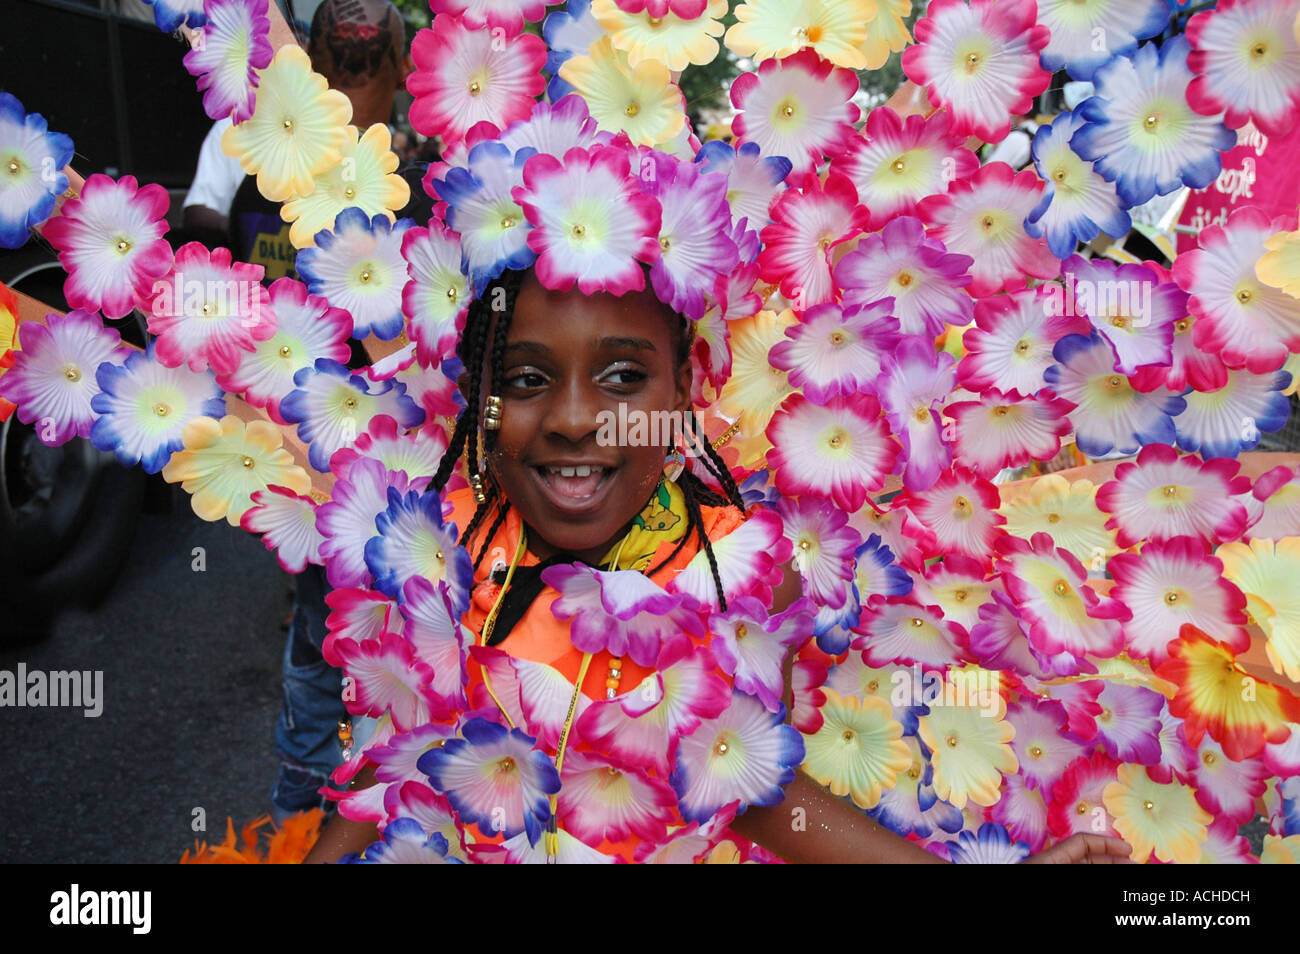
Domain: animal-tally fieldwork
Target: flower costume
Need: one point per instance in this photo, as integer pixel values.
(985, 662)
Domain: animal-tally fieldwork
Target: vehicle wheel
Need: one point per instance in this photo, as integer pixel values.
(67, 517)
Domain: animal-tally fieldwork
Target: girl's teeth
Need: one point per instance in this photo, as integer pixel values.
(572, 471)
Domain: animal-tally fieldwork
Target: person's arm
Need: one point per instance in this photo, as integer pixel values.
(343, 836)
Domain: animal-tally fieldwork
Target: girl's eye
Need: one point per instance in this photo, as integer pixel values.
(623, 376)
(525, 379)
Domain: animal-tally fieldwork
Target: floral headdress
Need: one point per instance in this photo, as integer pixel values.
(888, 334)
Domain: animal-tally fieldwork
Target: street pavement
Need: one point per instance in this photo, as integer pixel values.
(191, 691)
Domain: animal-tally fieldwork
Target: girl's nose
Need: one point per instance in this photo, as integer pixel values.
(573, 412)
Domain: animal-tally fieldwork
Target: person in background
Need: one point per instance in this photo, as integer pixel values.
(359, 46)
(205, 215)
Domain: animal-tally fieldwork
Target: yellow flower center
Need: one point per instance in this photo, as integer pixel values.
(1169, 490)
(206, 309)
(72, 373)
(1181, 325)
(836, 439)
(507, 764)
(14, 167)
(285, 351)
(1258, 50)
(1119, 321)
(1244, 296)
(451, 293)
(631, 109)
(1060, 174)
(904, 279)
(961, 503)
(579, 230)
(1060, 587)
(350, 403)
(917, 621)
(508, 222)
(1171, 597)
(1022, 346)
(474, 88)
(847, 735)
(365, 275)
(350, 192)
(288, 124)
(987, 222)
(1001, 410)
(1148, 805)
(952, 741)
(899, 165)
(161, 409)
(721, 747)
(1208, 758)
(1081, 808)
(1114, 381)
(665, 243)
(123, 245)
(804, 544)
(1036, 751)
(922, 414)
(1151, 122)
(1053, 518)
(960, 596)
(873, 685)
(972, 62)
(742, 631)
(247, 461)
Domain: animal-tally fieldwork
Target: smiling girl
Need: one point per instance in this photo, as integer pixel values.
(551, 495)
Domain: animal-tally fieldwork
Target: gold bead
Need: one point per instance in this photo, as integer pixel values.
(1114, 380)
(247, 461)
(1171, 597)
(507, 764)
(972, 61)
(922, 414)
(914, 772)
(14, 167)
(1060, 587)
(631, 109)
(952, 741)
(847, 735)
(655, 21)
(1053, 518)
(665, 243)
(365, 275)
(1119, 321)
(787, 110)
(123, 245)
(508, 222)
(206, 309)
(1001, 410)
(1036, 751)
(960, 596)
(987, 222)
(580, 230)
(349, 192)
(836, 440)
(1244, 296)
(612, 771)
(1022, 346)
(474, 88)
(837, 338)
(1059, 175)
(917, 621)
(451, 293)
(1170, 490)
(1081, 808)
(438, 556)
(1259, 49)
(161, 409)
(899, 165)
(720, 748)
(350, 403)
(288, 124)
(961, 503)
(1151, 121)
(804, 544)
(904, 278)
(873, 685)
(742, 631)
(1148, 805)
(72, 373)
(1181, 325)
(285, 351)
(1208, 758)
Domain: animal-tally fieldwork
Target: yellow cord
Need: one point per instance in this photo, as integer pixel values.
(491, 620)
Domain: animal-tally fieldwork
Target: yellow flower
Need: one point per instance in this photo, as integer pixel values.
(296, 131)
(224, 462)
(674, 42)
(1066, 511)
(886, 32)
(1267, 571)
(1280, 265)
(365, 177)
(641, 101)
(1155, 817)
(755, 389)
(835, 29)
(1280, 851)
(970, 749)
(858, 751)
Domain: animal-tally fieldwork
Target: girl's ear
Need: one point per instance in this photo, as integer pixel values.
(682, 396)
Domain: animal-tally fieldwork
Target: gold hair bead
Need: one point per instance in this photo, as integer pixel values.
(492, 413)
(476, 485)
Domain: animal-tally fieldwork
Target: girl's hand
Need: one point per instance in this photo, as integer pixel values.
(1084, 849)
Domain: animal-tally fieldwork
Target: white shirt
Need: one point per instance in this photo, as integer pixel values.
(218, 176)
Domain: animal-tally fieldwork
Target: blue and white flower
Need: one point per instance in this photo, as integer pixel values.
(1086, 35)
(414, 541)
(992, 846)
(31, 162)
(1225, 422)
(143, 406)
(753, 180)
(568, 33)
(405, 843)
(359, 268)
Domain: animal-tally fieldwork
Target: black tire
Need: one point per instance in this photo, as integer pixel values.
(88, 561)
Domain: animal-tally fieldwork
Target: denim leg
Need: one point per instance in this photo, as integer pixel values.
(306, 734)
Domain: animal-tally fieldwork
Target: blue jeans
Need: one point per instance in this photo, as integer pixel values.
(306, 734)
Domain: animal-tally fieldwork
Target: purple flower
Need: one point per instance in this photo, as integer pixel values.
(619, 610)
(913, 380)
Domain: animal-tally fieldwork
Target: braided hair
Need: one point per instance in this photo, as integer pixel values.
(482, 345)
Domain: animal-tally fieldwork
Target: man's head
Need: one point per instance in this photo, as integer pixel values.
(359, 46)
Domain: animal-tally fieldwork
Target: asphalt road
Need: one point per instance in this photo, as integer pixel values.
(191, 691)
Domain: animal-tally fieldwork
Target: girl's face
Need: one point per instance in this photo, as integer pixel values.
(569, 357)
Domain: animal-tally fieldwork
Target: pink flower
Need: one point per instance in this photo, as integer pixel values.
(749, 562)
(961, 509)
(592, 223)
(1005, 430)
(1066, 620)
(621, 611)
(602, 800)
(1278, 492)
(926, 283)
(983, 217)
(685, 9)
(234, 48)
(209, 309)
(822, 545)
(1173, 582)
(806, 225)
(1012, 342)
(896, 162)
(1076, 798)
(1247, 323)
(431, 624)
(835, 352)
(1189, 366)
(1248, 64)
(751, 646)
(1164, 495)
(288, 522)
(980, 60)
(436, 298)
(110, 242)
(1134, 307)
(465, 76)
(1225, 787)
(508, 16)
(999, 640)
(388, 678)
(1128, 726)
(800, 107)
(900, 630)
(1042, 745)
(843, 447)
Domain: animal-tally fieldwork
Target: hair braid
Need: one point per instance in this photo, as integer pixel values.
(696, 519)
